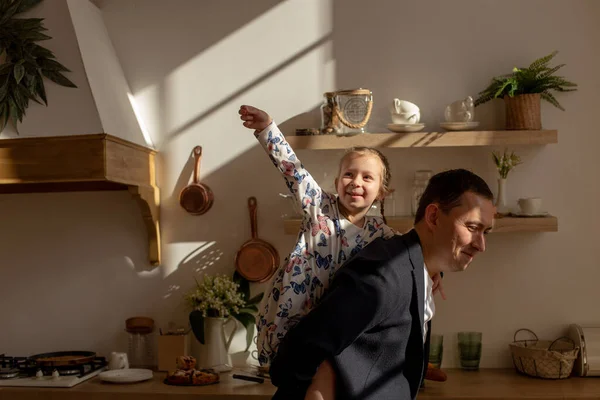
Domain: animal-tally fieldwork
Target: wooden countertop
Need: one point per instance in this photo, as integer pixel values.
(484, 384)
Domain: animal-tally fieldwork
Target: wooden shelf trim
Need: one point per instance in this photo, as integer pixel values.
(425, 139)
(501, 225)
(85, 163)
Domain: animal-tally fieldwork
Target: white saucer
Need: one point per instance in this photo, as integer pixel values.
(459, 126)
(405, 127)
(127, 375)
(520, 214)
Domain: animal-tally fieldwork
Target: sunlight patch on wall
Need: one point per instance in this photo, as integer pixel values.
(243, 56)
(199, 256)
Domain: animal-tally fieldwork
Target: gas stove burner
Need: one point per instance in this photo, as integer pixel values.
(69, 371)
(8, 373)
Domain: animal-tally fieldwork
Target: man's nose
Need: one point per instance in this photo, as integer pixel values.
(479, 242)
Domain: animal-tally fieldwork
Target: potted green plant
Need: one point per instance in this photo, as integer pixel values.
(523, 89)
(504, 164)
(23, 63)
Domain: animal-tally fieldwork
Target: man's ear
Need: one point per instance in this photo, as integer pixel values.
(432, 214)
(335, 182)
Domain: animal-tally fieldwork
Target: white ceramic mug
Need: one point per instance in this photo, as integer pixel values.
(118, 361)
(530, 205)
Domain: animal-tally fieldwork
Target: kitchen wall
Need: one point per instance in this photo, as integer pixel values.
(74, 264)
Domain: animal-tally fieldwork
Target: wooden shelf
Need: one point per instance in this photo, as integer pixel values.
(425, 139)
(501, 225)
(84, 163)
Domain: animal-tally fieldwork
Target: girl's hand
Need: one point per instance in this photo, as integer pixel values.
(254, 118)
(437, 286)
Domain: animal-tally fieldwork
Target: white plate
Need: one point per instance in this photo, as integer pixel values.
(405, 127)
(520, 214)
(127, 375)
(459, 126)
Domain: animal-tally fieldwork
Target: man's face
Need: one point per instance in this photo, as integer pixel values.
(460, 234)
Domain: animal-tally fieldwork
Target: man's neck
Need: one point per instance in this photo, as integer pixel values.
(433, 267)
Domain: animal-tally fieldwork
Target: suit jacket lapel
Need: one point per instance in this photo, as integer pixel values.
(411, 239)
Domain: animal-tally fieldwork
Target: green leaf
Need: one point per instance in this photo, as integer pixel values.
(256, 299)
(51, 65)
(197, 324)
(27, 4)
(10, 11)
(244, 288)
(4, 115)
(249, 309)
(15, 114)
(58, 78)
(19, 72)
(552, 100)
(248, 320)
(40, 90)
(4, 86)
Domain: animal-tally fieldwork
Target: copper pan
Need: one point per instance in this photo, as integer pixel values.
(257, 260)
(196, 198)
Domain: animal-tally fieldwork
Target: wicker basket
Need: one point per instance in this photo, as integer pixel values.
(523, 112)
(544, 358)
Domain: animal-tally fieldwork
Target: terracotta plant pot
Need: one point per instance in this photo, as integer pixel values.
(523, 112)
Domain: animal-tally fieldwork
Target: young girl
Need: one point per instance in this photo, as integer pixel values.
(334, 227)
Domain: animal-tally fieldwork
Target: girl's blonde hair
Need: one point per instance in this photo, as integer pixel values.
(386, 176)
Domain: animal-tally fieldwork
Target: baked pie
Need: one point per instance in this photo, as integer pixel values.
(197, 377)
(185, 362)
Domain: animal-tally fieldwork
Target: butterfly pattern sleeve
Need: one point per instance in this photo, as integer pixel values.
(301, 184)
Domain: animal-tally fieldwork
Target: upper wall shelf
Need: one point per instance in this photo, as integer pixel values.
(425, 139)
(84, 163)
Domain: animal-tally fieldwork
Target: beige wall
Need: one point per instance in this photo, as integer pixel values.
(74, 264)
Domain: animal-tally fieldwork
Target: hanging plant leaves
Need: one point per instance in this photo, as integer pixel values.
(27, 4)
(26, 63)
(57, 77)
(19, 72)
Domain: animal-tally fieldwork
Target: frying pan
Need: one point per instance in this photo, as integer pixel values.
(257, 260)
(196, 198)
(63, 358)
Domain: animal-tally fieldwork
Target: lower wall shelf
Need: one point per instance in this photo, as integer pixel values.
(501, 225)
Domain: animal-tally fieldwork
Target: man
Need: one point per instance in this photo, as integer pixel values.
(371, 324)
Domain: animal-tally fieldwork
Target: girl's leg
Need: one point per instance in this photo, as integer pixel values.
(323, 384)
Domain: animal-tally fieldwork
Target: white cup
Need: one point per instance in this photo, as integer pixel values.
(530, 205)
(118, 361)
(404, 112)
(405, 118)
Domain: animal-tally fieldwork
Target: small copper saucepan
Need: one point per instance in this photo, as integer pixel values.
(196, 198)
(257, 260)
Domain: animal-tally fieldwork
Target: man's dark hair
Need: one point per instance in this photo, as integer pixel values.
(446, 189)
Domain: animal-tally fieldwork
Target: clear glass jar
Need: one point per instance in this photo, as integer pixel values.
(330, 123)
(419, 184)
(141, 350)
(353, 108)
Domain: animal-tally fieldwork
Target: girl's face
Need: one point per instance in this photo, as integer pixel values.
(359, 183)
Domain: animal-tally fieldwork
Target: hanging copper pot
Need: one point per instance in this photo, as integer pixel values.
(257, 260)
(196, 198)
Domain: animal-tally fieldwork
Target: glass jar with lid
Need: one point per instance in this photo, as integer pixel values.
(419, 184)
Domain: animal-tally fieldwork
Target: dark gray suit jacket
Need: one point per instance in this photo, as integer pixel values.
(369, 324)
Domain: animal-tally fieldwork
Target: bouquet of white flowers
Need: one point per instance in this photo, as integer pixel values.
(222, 297)
(216, 296)
(505, 162)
